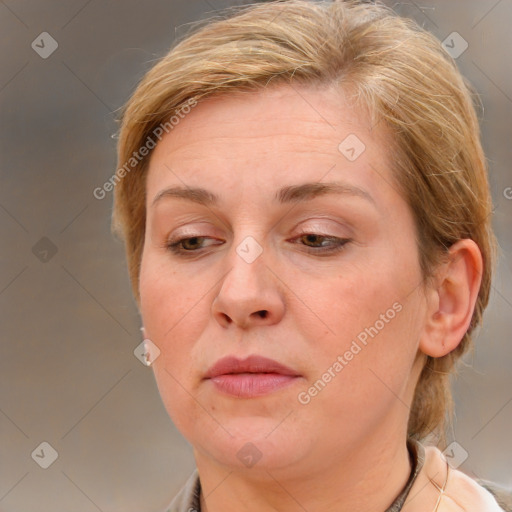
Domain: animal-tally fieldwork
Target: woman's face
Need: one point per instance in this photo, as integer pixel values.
(263, 261)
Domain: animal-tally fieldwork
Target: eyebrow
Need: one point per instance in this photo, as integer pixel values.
(288, 194)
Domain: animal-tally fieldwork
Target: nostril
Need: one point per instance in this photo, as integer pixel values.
(262, 313)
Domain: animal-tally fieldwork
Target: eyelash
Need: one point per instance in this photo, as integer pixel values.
(175, 246)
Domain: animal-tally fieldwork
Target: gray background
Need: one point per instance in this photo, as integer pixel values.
(68, 323)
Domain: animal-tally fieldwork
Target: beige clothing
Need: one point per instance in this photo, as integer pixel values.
(459, 493)
(421, 494)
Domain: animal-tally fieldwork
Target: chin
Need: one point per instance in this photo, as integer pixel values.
(252, 443)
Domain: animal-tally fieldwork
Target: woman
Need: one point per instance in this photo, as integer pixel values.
(304, 201)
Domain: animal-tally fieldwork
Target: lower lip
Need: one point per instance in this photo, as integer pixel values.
(248, 385)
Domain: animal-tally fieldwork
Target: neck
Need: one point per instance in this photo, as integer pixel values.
(369, 476)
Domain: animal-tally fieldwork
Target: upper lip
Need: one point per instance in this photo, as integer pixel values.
(251, 364)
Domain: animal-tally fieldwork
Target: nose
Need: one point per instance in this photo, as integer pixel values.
(250, 294)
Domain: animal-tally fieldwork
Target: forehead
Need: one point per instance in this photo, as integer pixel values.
(268, 139)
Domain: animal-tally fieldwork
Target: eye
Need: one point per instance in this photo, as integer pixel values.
(319, 243)
(188, 244)
(315, 243)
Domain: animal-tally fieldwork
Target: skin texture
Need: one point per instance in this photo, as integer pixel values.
(345, 448)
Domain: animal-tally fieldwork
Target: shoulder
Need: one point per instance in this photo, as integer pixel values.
(503, 496)
(444, 489)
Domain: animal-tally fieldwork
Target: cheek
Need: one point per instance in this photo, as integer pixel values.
(166, 297)
(362, 374)
(371, 317)
(174, 312)
(346, 303)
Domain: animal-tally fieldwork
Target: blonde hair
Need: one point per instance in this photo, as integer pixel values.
(393, 69)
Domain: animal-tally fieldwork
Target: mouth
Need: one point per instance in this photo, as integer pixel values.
(251, 377)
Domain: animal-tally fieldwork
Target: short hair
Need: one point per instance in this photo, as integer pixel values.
(390, 67)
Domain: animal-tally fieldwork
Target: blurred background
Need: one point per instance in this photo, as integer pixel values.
(68, 323)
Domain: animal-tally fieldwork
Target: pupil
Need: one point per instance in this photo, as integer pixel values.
(192, 241)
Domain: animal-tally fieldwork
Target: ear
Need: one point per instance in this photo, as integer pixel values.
(451, 299)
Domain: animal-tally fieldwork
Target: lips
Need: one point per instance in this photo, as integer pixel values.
(252, 364)
(250, 377)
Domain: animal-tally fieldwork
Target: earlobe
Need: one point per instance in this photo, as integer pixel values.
(451, 300)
